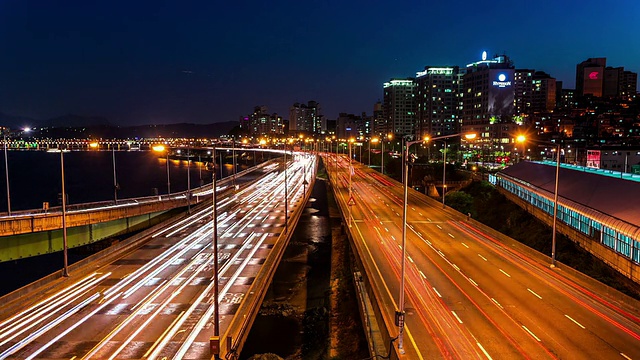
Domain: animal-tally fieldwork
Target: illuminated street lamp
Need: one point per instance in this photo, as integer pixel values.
(389, 137)
(6, 172)
(216, 294)
(161, 148)
(65, 246)
(521, 139)
(444, 138)
(374, 141)
(400, 312)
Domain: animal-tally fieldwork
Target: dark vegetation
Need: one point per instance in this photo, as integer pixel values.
(486, 205)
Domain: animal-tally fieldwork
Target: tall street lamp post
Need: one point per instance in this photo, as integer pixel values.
(522, 139)
(65, 269)
(469, 136)
(216, 294)
(6, 172)
(162, 148)
(115, 179)
(400, 312)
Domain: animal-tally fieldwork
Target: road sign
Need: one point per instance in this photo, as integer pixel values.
(352, 201)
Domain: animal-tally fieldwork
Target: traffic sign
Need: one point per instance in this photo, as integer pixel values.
(352, 201)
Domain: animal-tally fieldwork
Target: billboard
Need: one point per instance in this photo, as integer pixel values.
(501, 93)
(593, 159)
(593, 78)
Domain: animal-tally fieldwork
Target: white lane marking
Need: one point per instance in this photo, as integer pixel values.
(533, 292)
(410, 259)
(532, 334)
(393, 237)
(455, 267)
(400, 246)
(441, 253)
(473, 282)
(482, 257)
(465, 245)
(484, 351)
(422, 274)
(496, 301)
(412, 208)
(439, 227)
(577, 323)
(429, 219)
(456, 315)
(625, 356)
(420, 214)
(451, 235)
(504, 272)
(387, 229)
(434, 289)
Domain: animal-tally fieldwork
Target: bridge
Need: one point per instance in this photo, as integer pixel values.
(470, 292)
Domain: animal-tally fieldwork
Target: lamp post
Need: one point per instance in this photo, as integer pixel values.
(6, 172)
(375, 141)
(160, 148)
(350, 141)
(286, 192)
(522, 138)
(216, 294)
(400, 312)
(115, 179)
(65, 269)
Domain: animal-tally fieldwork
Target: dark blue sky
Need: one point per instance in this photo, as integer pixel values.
(141, 62)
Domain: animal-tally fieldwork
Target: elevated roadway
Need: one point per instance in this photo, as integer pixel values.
(156, 301)
(471, 292)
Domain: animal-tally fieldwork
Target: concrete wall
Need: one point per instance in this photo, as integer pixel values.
(620, 263)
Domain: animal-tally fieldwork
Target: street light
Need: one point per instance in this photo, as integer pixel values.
(389, 137)
(375, 141)
(469, 136)
(350, 141)
(161, 148)
(400, 312)
(65, 247)
(6, 172)
(216, 294)
(522, 138)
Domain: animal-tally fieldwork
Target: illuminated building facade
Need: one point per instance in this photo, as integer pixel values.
(438, 101)
(535, 92)
(305, 119)
(260, 123)
(590, 77)
(398, 107)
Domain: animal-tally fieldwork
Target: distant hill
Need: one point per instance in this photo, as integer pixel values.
(79, 126)
(16, 122)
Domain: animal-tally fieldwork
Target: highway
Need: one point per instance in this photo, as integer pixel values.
(157, 302)
(468, 294)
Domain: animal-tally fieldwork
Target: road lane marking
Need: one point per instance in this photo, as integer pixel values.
(473, 282)
(465, 245)
(441, 253)
(434, 289)
(422, 274)
(504, 272)
(482, 257)
(410, 259)
(484, 351)
(412, 208)
(400, 246)
(439, 227)
(533, 292)
(393, 237)
(387, 229)
(577, 323)
(530, 333)
(451, 235)
(455, 267)
(420, 214)
(496, 301)
(429, 219)
(625, 356)
(456, 315)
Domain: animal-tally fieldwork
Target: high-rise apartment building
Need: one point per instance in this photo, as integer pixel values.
(590, 77)
(438, 101)
(488, 98)
(535, 92)
(305, 119)
(399, 107)
(377, 121)
(260, 123)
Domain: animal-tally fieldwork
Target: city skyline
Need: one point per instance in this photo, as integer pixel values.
(148, 63)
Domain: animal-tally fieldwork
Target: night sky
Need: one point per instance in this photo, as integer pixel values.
(144, 62)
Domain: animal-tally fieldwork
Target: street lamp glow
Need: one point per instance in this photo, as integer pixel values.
(521, 138)
(158, 148)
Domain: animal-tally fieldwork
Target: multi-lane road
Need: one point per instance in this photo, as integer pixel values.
(469, 293)
(157, 302)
